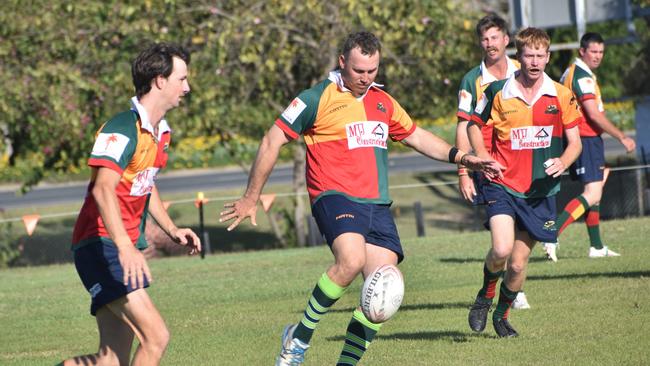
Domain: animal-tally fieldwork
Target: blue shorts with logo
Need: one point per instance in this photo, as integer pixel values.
(335, 215)
(536, 216)
(100, 271)
(590, 165)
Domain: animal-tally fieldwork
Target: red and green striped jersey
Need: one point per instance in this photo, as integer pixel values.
(582, 82)
(127, 145)
(346, 138)
(472, 86)
(527, 135)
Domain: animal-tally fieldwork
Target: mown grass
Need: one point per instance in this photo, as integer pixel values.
(230, 308)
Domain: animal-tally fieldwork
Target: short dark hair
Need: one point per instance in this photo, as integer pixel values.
(366, 41)
(155, 60)
(590, 37)
(491, 21)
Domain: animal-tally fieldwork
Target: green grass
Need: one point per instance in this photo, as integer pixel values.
(233, 306)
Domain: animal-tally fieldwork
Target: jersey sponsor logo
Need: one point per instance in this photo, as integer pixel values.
(587, 85)
(143, 182)
(465, 101)
(338, 108)
(111, 145)
(380, 107)
(531, 137)
(367, 134)
(293, 110)
(550, 225)
(481, 104)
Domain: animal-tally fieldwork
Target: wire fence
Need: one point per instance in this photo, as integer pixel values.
(429, 205)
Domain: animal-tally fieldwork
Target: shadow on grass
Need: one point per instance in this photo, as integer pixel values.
(411, 307)
(481, 260)
(454, 336)
(573, 276)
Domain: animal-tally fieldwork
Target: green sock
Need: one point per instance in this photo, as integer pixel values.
(357, 339)
(322, 298)
(592, 219)
(490, 280)
(506, 297)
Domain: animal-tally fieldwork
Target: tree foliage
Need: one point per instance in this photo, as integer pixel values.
(67, 64)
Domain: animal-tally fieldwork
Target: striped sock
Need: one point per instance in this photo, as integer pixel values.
(572, 211)
(322, 298)
(357, 339)
(490, 280)
(506, 297)
(593, 226)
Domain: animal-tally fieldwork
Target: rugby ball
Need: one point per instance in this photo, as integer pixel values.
(382, 293)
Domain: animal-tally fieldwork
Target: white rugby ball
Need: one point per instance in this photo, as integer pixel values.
(382, 293)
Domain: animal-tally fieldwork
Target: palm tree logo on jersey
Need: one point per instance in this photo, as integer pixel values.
(112, 138)
(380, 107)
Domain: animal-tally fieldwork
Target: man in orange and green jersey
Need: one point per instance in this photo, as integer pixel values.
(530, 113)
(492, 33)
(590, 166)
(346, 121)
(129, 151)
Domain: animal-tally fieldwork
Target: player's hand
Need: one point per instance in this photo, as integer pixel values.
(628, 143)
(555, 167)
(490, 168)
(187, 237)
(238, 211)
(134, 265)
(466, 187)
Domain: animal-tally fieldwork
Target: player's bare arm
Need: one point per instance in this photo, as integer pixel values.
(436, 148)
(133, 262)
(267, 155)
(181, 236)
(557, 166)
(476, 140)
(590, 109)
(465, 183)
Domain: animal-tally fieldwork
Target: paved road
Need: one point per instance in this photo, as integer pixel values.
(204, 180)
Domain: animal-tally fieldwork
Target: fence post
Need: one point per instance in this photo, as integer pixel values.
(199, 199)
(419, 219)
(639, 191)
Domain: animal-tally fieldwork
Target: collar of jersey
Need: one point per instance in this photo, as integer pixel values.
(335, 77)
(145, 121)
(510, 89)
(487, 78)
(581, 64)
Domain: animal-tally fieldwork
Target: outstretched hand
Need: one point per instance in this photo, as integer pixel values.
(490, 168)
(238, 211)
(187, 237)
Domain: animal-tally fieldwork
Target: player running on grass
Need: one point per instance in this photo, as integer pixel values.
(530, 113)
(492, 33)
(346, 121)
(590, 166)
(129, 150)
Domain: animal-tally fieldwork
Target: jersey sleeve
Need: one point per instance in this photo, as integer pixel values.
(571, 114)
(300, 115)
(400, 125)
(483, 109)
(115, 143)
(466, 98)
(583, 85)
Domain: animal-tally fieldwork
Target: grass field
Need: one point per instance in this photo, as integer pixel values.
(230, 308)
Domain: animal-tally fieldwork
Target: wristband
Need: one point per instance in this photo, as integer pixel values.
(452, 154)
(462, 172)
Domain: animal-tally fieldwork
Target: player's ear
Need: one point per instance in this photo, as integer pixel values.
(341, 62)
(159, 81)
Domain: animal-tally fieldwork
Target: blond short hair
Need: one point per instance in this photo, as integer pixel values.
(533, 38)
